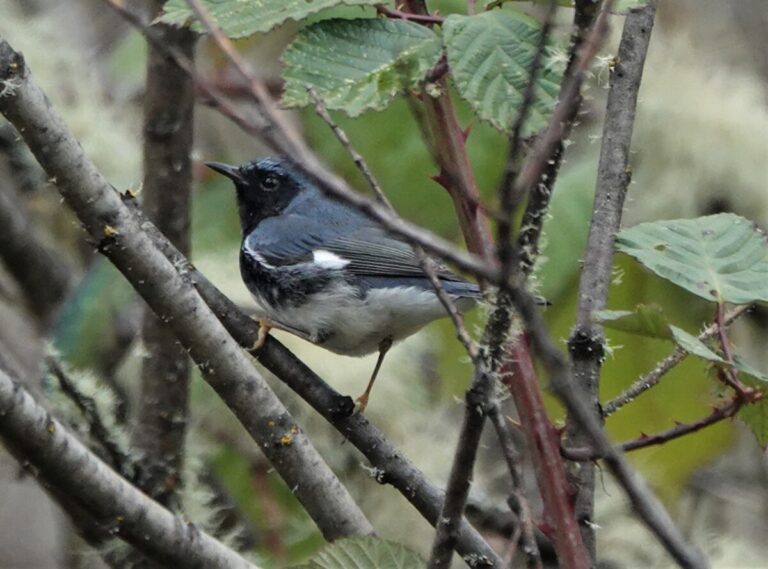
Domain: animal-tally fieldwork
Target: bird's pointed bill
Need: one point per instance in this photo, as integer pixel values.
(231, 172)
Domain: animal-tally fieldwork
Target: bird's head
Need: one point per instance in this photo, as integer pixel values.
(265, 187)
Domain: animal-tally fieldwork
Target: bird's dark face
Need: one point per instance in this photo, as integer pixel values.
(264, 188)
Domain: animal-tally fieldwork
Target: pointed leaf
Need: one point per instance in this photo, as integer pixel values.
(490, 57)
(755, 416)
(744, 367)
(645, 320)
(721, 257)
(357, 65)
(240, 18)
(364, 553)
(693, 345)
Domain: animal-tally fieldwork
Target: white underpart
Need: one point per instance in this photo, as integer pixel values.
(328, 260)
(356, 326)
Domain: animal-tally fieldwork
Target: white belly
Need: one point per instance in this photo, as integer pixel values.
(343, 323)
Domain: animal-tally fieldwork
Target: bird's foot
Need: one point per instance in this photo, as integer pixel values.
(361, 403)
(261, 338)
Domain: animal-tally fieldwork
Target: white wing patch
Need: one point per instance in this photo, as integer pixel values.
(328, 260)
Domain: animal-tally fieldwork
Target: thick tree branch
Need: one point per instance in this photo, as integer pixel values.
(586, 341)
(171, 296)
(62, 462)
(161, 418)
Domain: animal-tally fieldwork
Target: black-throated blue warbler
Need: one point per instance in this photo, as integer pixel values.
(327, 273)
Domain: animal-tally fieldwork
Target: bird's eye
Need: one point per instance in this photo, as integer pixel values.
(269, 183)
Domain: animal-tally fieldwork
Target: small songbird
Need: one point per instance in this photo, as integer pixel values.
(324, 271)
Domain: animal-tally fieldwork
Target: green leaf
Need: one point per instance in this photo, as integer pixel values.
(645, 320)
(755, 415)
(744, 367)
(756, 418)
(721, 257)
(364, 553)
(490, 57)
(693, 345)
(357, 65)
(240, 18)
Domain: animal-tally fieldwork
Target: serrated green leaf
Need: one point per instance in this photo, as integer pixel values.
(240, 18)
(645, 320)
(490, 57)
(358, 65)
(721, 257)
(364, 553)
(693, 345)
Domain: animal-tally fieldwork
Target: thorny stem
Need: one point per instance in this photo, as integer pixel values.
(727, 375)
(718, 414)
(400, 15)
(507, 197)
(645, 382)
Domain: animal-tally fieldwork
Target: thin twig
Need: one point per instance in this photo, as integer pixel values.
(477, 401)
(539, 170)
(728, 374)
(719, 413)
(508, 198)
(426, 19)
(645, 382)
(586, 343)
(518, 500)
(97, 428)
(342, 137)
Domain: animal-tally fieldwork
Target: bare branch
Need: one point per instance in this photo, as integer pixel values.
(645, 382)
(477, 402)
(586, 342)
(161, 418)
(222, 362)
(61, 461)
(719, 413)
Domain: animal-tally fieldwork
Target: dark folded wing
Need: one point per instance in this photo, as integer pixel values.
(369, 250)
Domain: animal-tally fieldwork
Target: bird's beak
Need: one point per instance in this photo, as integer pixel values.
(231, 172)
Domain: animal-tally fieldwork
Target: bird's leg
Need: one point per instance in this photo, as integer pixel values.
(265, 325)
(362, 401)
